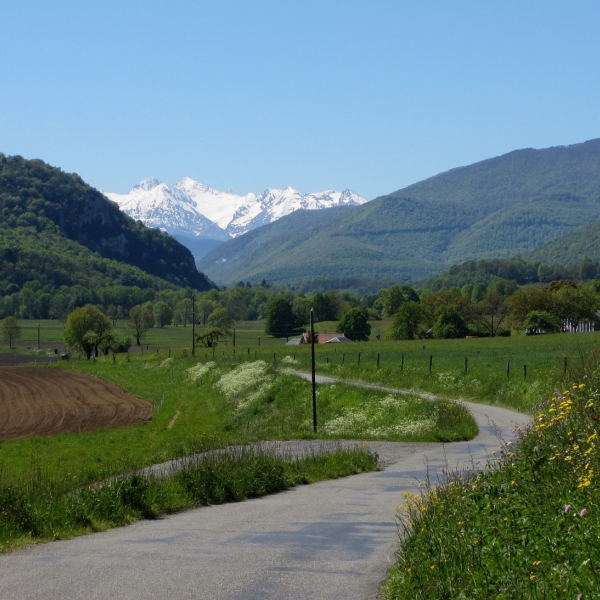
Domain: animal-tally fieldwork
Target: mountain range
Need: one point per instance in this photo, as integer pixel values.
(201, 217)
(505, 206)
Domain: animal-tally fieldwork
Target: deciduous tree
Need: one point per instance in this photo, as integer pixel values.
(10, 330)
(141, 318)
(86, 327)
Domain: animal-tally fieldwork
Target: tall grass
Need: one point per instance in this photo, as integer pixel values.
(526, 527)
(40, 507)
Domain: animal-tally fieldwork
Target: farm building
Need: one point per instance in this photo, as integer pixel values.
(322, 338)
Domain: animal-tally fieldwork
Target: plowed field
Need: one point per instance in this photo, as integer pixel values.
(43, 401)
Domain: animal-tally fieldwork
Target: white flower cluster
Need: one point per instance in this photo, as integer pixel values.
(289, 360)
(165, 363)
(374, 420)
(198, 371)
(243, 378)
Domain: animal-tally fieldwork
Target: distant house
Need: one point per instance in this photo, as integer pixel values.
(325, 338)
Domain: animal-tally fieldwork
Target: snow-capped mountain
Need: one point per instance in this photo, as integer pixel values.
(192, 210)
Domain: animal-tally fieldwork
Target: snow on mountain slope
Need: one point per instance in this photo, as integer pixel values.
(190, 208)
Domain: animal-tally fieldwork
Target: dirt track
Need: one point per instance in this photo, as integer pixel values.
(42, 401)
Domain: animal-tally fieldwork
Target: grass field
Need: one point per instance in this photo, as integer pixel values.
(202, 405)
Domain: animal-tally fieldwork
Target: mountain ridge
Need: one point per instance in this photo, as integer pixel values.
(195, 212)
(502, 206)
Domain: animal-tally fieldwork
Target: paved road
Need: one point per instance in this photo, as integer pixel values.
(331, 540)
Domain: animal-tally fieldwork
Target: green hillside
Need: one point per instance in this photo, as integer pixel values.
(57, 229)
(500, 207)
(571, 248)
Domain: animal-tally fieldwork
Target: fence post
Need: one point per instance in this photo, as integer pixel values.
(508, 369)
(343, 358)
(402, 363)
(524, 371)
(274, 357)
(466, 364)
(565, 364)
(358, 359)
(327, 358)
(378, 361)
(430, 362)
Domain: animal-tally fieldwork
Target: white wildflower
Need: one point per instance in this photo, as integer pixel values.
(289, 360)
(242, 378)
(198, 371)
(165, 363)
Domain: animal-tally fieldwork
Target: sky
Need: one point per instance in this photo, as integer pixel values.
(246, 95)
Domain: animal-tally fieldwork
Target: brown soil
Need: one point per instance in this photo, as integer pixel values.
(43, 401)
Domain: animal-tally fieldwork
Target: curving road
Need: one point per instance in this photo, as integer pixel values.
(330, 540)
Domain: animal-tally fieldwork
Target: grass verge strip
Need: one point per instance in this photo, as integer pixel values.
(42, 509)
(525, 527)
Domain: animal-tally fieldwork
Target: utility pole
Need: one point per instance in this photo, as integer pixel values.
(312, 356)
(193, 325)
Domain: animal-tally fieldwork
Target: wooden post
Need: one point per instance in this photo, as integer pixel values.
(378, 361)
(327, 358)
(565, 364)
(524, 371)
(248, 351)
(234, 339)
(466, 365)
(313, 377)
(343, 358)
(402, 363)
(508, 369)
(193, 325)
(430, 362)
(358, 359)
(274, 357)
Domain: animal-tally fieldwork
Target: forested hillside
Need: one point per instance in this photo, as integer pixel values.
(37, 199)
(500, 207)
(569, 249)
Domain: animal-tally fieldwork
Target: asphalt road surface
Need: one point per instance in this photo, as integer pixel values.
(330, 540)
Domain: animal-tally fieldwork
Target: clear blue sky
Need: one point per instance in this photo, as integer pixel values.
(370, 96)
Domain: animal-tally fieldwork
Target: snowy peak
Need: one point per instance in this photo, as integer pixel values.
(192, 209)
(147, 184)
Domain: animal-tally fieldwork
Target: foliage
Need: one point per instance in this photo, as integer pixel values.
(541, 320)
(210, 338)
(221, 319)
(141, 318)
(407, 321)
(86, 328)
(10, 330)
(526, 527)
(354, 324)
(163, 314)
(390, 299)
(450, 323)
(280, 321)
